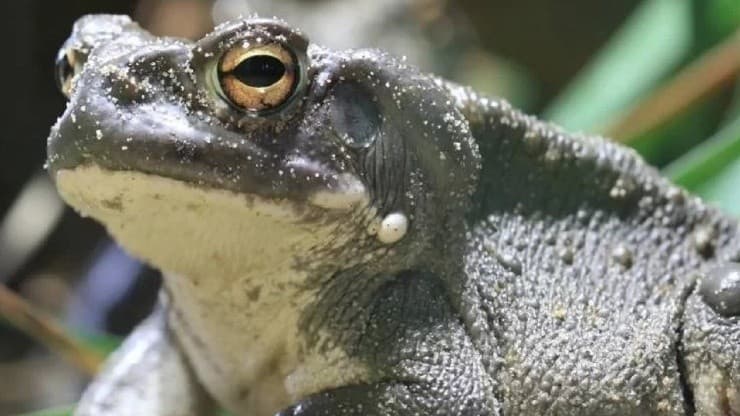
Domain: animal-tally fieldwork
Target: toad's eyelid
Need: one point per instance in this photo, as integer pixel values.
(254, 32)
(236, 55)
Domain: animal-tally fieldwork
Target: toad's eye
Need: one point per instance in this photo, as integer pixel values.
(258, 78)
(65, 70)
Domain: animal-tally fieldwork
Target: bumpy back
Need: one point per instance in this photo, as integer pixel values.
(584, 258)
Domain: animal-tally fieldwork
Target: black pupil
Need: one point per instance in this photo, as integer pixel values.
(259, 71)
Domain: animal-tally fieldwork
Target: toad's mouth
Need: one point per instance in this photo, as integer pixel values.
(200, 232)
(164, 140)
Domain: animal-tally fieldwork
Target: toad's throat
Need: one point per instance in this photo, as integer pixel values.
(231, 274)
(198, 232)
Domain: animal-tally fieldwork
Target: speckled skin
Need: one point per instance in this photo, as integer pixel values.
(543, 273)
(585, 264)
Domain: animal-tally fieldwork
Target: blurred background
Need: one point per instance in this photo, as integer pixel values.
(658, 75)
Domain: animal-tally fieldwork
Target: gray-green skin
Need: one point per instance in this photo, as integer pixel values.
(542, 273)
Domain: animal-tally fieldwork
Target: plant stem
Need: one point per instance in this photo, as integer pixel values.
(46, 331)
(716, 69)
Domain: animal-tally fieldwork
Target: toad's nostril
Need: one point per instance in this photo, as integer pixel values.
(720, 289)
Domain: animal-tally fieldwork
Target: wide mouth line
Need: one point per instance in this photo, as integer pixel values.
(79, 137)
(102, 172)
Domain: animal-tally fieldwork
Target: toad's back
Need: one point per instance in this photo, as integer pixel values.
(587, 264)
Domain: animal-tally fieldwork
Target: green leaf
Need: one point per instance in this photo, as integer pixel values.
(649, 46)
(716, 19)
(722, 190)
(679, 135)
(103, 343)
(712, 170)
(56, 411)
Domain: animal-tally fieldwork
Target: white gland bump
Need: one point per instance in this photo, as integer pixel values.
(393, 228)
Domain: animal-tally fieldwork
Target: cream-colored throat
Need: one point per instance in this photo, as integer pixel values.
(230, 266)
(192, 231)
